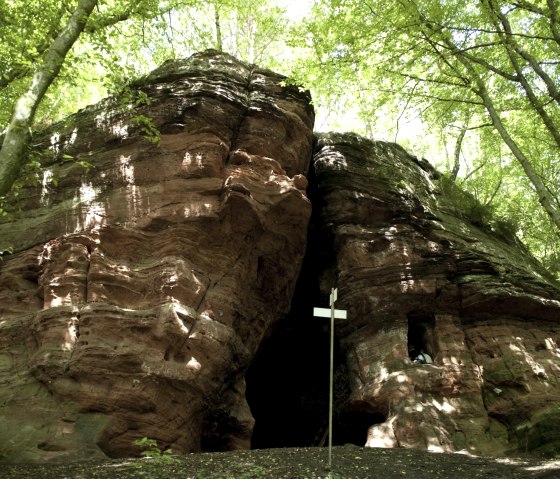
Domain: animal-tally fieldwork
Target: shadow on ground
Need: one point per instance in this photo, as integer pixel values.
(349, 462)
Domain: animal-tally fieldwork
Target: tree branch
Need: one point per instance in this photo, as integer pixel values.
(458, 146)
(545, 199)
(479, 87)
(529, 7)
(427, 80)
(553, 17)
(18, 136)
(18, 72)
(511, 47)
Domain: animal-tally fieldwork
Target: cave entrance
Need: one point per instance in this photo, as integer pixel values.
(421, 333)
(351, 426)
(288, 390)
(288, 381)
(287, 385)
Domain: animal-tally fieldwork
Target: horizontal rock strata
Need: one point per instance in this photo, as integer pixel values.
(163, 243)
(419, 265)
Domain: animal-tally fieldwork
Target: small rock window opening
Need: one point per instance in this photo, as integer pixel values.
(421, 334)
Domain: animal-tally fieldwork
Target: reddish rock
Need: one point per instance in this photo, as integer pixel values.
(144, 279)
(141, 285)
(418, 264)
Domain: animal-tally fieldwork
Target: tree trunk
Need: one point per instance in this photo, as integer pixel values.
(511, 48)
(458, 147)
(545, 198)
(219, 44)
(18, 134)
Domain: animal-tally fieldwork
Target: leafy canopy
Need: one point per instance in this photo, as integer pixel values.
(472, 85)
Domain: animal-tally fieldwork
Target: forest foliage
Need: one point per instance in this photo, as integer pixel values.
(472, 86)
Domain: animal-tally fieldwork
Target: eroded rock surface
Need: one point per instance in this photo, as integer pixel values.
(143, 281)
(164, 243)
(418, 266)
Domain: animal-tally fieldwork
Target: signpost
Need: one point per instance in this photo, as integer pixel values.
(339, 314)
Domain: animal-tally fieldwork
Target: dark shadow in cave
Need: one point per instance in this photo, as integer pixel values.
(287, 384)
(288, 388)
(421, 333)
(351, 427)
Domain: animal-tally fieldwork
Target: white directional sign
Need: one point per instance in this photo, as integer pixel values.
(326, 313)
(333, 314)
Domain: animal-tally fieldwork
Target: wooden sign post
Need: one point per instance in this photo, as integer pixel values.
(339, 314)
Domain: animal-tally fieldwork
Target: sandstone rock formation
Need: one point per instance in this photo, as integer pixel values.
(143, 277)
(163, 245)
(420, 265)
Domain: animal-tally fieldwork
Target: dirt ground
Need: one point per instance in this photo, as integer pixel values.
(349, 462)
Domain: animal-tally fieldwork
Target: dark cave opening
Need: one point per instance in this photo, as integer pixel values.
(351, 427)
(288, 381)
(287, 385)
(421, 333)
(288, 390)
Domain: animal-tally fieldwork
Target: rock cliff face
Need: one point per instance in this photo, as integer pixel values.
(148, 276)
(419, 265)
(141, 285)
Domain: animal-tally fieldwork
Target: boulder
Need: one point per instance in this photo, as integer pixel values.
(420, 265)
(161, 244)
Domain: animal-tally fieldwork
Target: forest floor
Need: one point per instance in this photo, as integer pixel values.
(349, 462)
